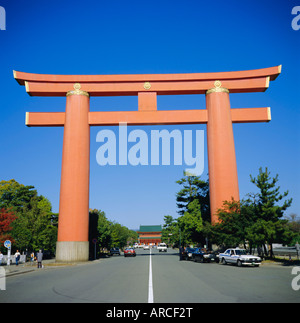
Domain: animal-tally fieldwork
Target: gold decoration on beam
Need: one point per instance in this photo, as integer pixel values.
(217, 88)
(147, 85)
(77, 90)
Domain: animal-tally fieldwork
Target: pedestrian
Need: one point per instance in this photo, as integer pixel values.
(39, 258)
(17, 255)
(1, 258)
(31, 258)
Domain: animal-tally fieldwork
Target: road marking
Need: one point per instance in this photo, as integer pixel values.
(150, 285)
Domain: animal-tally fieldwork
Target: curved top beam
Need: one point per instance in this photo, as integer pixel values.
(160, 88)
(271, 72)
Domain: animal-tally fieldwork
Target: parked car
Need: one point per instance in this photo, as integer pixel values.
(239, 257)
(129, 252)
(115, 251)
(188, 253)
(202, 255)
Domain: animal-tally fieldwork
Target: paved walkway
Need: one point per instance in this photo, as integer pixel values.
(29, 267)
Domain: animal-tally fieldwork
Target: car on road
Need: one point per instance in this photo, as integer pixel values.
(114, 251)
(129, 252)
(146, 247)
(188, 253)
(202, 255)
(162, 247)
(239, 257)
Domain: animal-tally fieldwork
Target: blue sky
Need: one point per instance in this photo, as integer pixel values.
(138, 37)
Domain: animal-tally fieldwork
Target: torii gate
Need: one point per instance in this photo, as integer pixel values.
(72, 244)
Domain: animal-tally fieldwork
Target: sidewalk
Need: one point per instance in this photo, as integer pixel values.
(30, 267)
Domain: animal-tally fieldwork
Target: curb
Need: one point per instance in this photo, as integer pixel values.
(13, 273)
(23, 269)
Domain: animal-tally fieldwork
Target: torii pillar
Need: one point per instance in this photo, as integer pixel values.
(72, 240)
(72, 243)
(222, 166)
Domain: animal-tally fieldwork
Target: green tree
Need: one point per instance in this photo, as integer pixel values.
(34, 228)
(104, 230)
(191, 224)
(132, 236)
(228, 231)
(294, 225)
(112, 234)
(121, 235)
(15, 195)
(257, 220)
(268, 223)
(170, 231)
(36, 225)
(193, 188)
(234, 218)
(117, 235)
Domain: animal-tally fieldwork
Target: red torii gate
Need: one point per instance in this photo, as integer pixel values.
(72, 242)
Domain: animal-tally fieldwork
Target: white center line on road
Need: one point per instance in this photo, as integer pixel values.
(150, 285)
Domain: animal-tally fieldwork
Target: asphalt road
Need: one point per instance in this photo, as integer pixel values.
(164, 279)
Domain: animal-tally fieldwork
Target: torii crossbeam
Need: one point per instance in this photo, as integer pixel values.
(72, 244)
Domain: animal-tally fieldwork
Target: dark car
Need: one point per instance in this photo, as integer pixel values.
(202, 255)
(115, 251)
(129, 252)
(187, 253)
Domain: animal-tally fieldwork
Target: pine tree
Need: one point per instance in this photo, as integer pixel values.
(191, 224)
(268, 223)
(193, 188)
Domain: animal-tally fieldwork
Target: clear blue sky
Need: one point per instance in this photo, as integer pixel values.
(136, 37)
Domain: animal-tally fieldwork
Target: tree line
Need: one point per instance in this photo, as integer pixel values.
(27, 220)
(255, 222)
(109, 234)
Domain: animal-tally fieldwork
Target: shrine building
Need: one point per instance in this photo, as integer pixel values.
(149, 234)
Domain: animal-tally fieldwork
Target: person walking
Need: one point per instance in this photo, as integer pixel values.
(17, 256)
(39, 258)
(31, 258)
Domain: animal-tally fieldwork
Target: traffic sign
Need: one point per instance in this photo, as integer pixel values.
(7, 244)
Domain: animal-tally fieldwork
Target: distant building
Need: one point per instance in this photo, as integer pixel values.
(150, 234)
